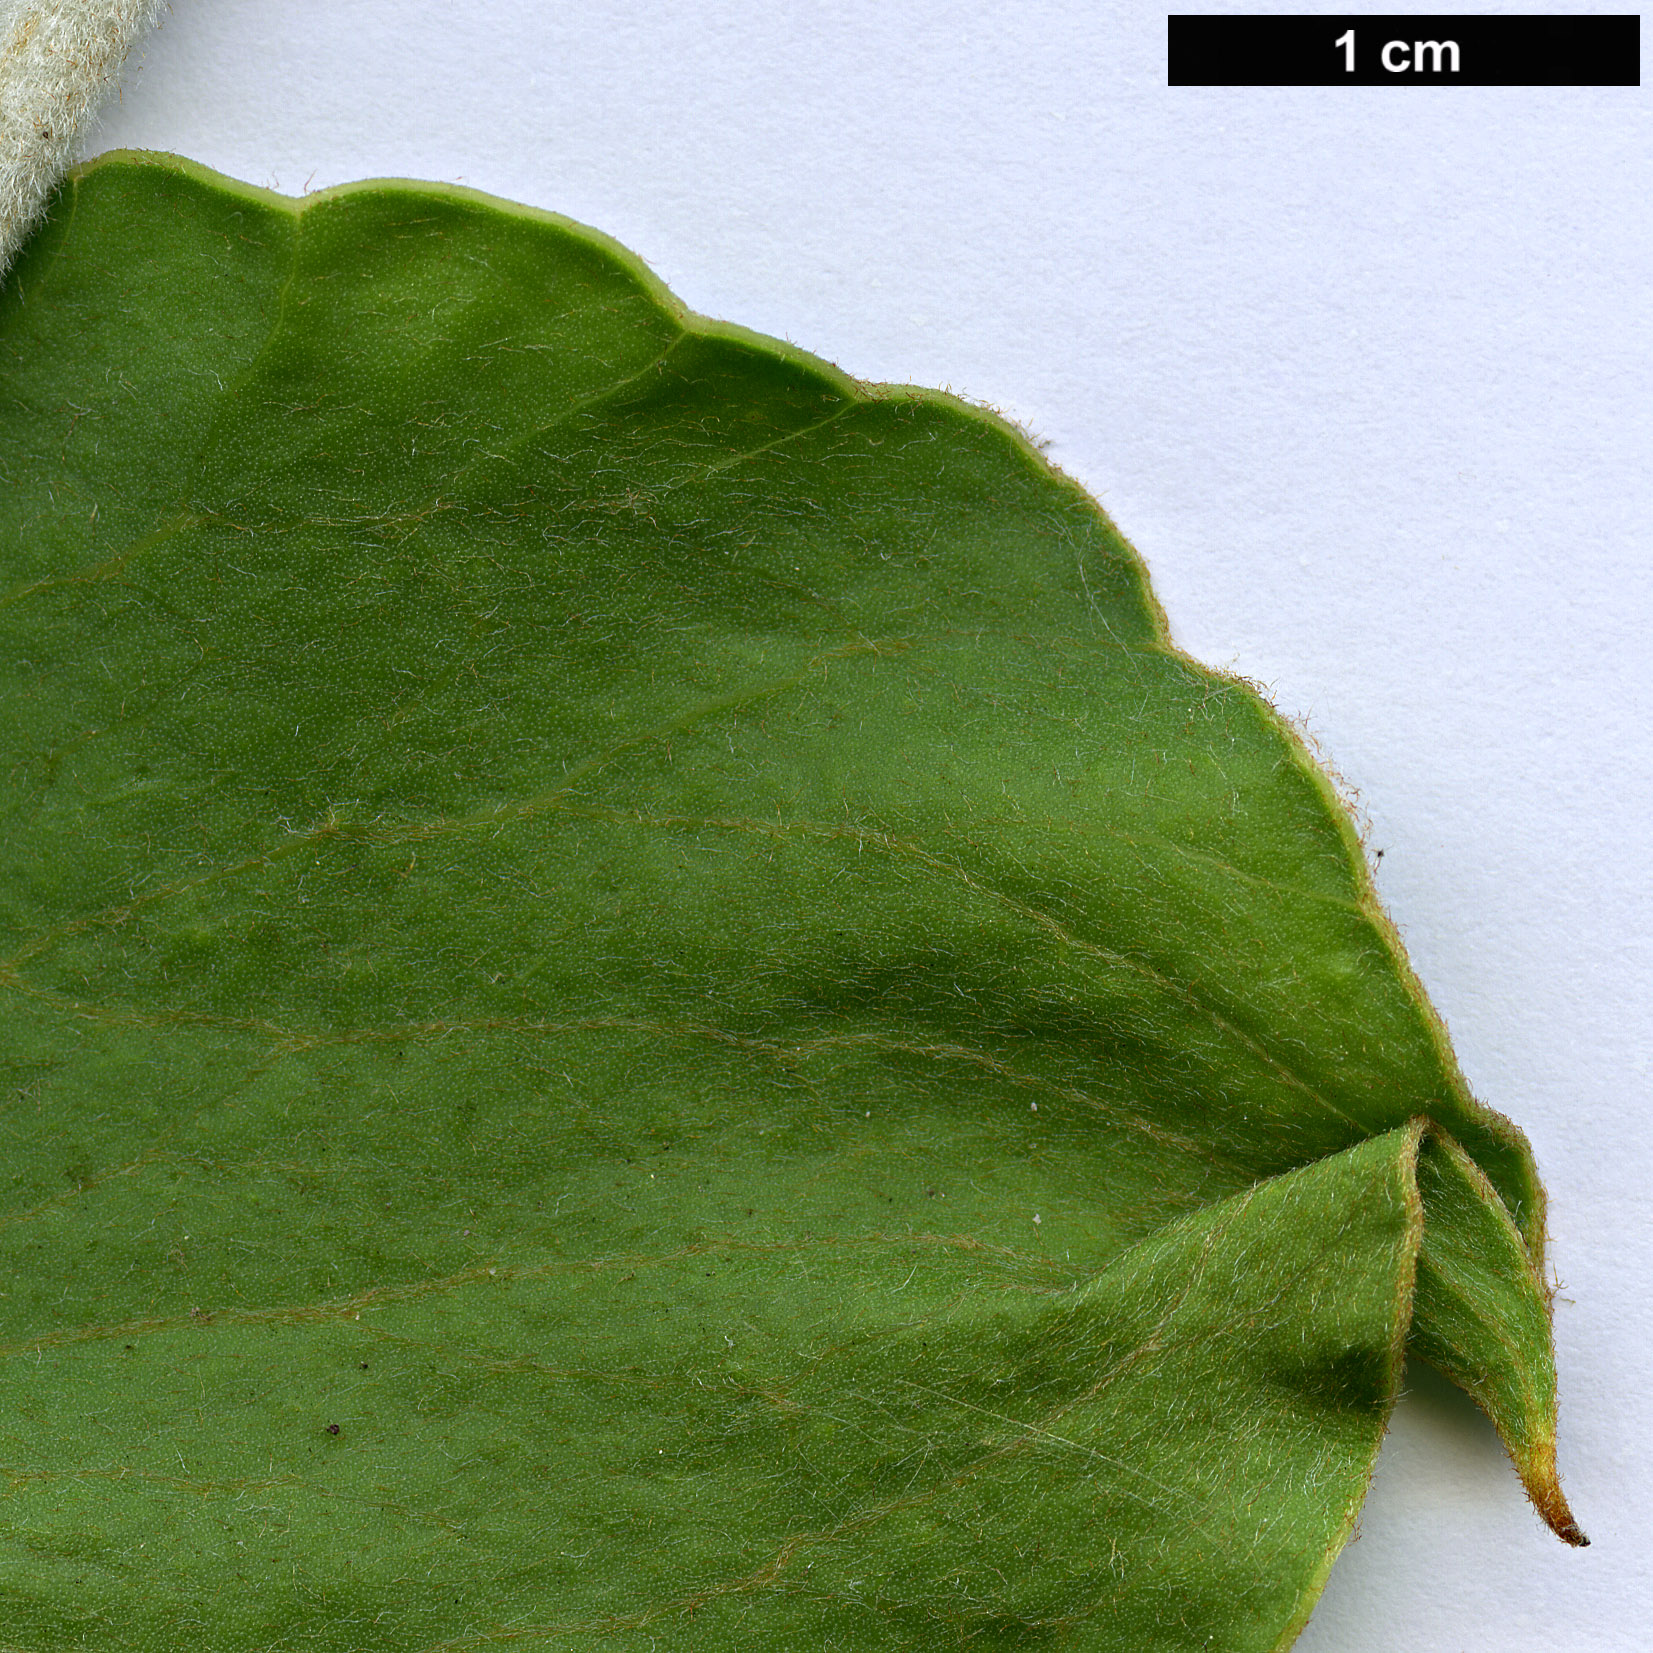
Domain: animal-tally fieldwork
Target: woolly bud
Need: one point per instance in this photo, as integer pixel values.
(59, 59)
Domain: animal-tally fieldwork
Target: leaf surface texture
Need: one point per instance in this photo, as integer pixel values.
(644, 1006)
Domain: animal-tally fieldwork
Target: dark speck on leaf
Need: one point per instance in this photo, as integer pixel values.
(332, 1429)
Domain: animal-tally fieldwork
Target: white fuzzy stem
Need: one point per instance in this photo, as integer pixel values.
(59, 59)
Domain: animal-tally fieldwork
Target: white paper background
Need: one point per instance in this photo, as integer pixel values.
(1363, 373)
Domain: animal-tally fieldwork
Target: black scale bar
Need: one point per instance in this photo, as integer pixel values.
(1404, 51)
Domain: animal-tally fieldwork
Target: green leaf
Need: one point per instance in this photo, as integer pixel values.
(643, 1003)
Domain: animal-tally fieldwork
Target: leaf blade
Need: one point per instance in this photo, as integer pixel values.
(534, 750)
